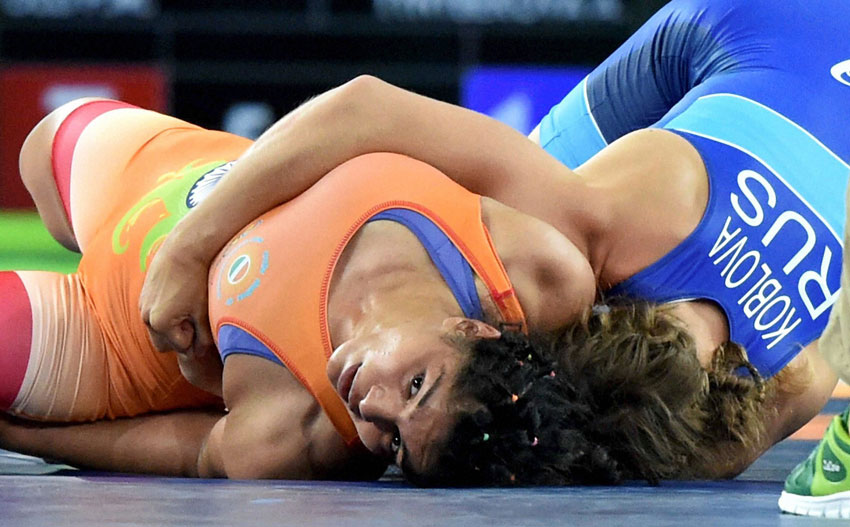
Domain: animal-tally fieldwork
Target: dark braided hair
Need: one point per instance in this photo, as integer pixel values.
(618, 395)
(529, 429)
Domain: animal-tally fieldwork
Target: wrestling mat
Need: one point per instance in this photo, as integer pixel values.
(36, 493)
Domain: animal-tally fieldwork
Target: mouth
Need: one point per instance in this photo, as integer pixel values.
(346, 382)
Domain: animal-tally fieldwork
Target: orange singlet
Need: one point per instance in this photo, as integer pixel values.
(129, 176)
(272, 279)
(126, 176)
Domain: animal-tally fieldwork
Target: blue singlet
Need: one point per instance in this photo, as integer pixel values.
(762, 90)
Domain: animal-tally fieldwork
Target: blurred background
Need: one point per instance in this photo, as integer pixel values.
(240, 65)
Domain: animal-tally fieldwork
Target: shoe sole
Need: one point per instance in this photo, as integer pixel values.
(832, 506)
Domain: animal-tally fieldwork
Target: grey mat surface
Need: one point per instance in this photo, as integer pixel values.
(90, 499)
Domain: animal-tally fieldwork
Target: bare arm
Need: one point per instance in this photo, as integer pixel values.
(802, 389)
(368, 115)
(362, 116)
(166, 444)
(276, 429)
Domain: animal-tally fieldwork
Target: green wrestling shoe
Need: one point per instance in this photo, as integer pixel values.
(820, 485)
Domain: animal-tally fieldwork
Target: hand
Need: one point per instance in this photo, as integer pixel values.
(202, 372)
(173, 303)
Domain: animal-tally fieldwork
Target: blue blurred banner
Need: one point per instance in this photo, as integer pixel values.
(518, 96)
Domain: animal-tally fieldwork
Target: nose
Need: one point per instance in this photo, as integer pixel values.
(380, 407)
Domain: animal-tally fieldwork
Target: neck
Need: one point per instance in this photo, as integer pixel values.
(636, 201)
(591, 219)
(392, 301)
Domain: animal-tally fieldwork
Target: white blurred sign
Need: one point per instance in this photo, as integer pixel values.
(485, 11)
(69, 8)
(58, 94)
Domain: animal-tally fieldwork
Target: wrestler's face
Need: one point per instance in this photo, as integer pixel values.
(398, 383)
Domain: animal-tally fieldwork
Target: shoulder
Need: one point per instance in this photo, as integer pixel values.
(275, 428)
(650, 148)
(551, 276)
(652, 167)
(654, 188)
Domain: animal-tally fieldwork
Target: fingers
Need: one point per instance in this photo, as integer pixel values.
(203, 342)
(160, 341)
(170, 337)
(190, 335)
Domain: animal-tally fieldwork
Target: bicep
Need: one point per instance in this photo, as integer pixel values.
(268, 432)
(479, 153)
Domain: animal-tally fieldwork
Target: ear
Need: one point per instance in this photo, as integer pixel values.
(470, 328)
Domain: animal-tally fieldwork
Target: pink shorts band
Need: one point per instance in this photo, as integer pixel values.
(65, 140)
(16, 331)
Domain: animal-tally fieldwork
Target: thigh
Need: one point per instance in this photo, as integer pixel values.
(66, 375)
(73, 163)
(69, 367)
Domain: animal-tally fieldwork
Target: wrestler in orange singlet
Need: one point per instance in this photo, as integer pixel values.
(89, 357)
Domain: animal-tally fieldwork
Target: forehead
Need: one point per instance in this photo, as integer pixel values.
(426, 348)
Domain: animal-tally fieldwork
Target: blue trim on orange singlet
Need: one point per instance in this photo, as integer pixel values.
(448, 259)
(452, 265)
(233, 340)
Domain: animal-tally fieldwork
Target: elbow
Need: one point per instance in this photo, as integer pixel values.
(361, 96)
(245, 463)
(258, 459)
(364, 86)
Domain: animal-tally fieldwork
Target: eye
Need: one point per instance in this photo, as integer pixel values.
(416, 384)
(395, 444)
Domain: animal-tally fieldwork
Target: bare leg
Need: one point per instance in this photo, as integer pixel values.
(53, 352)
(166, 444)
(36, 165)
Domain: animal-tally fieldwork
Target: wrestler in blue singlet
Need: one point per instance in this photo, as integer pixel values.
(762, 90)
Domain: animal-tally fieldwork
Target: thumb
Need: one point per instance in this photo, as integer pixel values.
(203, 339)
(180, 336)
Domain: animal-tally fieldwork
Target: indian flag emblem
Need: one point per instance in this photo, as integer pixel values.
(239, 269)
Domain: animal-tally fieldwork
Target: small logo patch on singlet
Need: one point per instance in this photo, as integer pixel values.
(203, 186)
(245, 262)
(841, 72)
(239, 269)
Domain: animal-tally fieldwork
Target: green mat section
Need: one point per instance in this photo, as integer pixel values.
(26, 245)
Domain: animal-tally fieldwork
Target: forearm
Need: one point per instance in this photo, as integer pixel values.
(363, 116)
(165, 444)
(795, 396)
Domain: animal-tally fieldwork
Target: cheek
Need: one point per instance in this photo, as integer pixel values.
(370, 436)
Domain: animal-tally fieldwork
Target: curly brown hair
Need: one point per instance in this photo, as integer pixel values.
(618, 395)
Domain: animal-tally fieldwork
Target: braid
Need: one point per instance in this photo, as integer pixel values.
(528, 430)
(620, 394)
